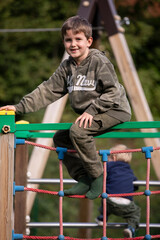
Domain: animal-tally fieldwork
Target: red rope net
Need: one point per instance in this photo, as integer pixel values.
(104, 199)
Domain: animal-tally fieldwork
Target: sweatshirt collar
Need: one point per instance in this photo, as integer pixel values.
(91, 53)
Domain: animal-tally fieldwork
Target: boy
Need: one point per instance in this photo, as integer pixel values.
(120, 179)
(94, 93)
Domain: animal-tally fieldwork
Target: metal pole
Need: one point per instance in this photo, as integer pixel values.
(85, 225)
(71, 181)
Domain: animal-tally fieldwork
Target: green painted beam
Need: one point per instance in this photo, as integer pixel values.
(7, 121)
(27, 134)
(138, 125)
(42, 126)
(7, 118)
(130, 135)
(63, 126)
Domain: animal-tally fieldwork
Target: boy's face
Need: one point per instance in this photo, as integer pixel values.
(77, 45)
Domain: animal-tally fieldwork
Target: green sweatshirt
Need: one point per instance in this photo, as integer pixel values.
(92, 86)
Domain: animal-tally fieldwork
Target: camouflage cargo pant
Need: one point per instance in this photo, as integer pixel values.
(86, 161)
(130, 212)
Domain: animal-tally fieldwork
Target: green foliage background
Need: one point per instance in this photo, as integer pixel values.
(27, 59)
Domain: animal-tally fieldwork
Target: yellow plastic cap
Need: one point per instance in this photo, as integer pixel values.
(22, 122)
(4, 112)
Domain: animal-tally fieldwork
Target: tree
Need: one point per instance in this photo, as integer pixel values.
(28, 58)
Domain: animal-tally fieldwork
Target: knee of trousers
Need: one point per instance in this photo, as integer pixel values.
(57, 139)
(76, 131)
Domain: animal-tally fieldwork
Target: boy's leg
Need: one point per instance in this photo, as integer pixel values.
(133, 218)
(100, 219)
(84, 143)
(132, 215)
(80, 188)
(71, 160)
(73, 164)
(130, 212)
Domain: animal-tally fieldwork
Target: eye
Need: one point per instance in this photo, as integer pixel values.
(67, 40)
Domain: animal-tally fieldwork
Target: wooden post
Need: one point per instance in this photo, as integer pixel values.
(85, 215)
(6, 185)
(135, 91)
(111, 23)
(53, 114)
(21, 163)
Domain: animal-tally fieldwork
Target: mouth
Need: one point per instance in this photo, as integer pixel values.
(73, 50)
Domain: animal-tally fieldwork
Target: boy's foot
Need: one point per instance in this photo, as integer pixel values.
(129, 232)
(96, 188)
(99, 220)
(79, 188)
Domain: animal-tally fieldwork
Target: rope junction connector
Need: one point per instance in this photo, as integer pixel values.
(104, 238)
(147, 192)
(104, 195)
(17, 188)
(147, 151)
(20, 141)
(147, 237)
(61, 237)
(61, 152)
(16, 236)
(61, 193)
(104, 154)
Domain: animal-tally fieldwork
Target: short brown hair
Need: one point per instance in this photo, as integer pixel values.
(125, 157)
(77, 24)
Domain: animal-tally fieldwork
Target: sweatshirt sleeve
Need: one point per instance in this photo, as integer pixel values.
(110, 89)
(135, 179)
(46, 93)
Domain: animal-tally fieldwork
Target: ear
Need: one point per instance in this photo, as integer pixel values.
(90, 40)
(114, 158)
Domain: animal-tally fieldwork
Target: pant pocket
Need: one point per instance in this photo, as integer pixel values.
(105, 121)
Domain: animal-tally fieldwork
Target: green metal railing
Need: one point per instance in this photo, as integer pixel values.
(46, 130)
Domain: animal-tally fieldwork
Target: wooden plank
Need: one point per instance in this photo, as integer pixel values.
(130, 77)
(85, 215)
(127, 69)
(134, 91)
(53, 113)
(40, 155)
(88, 9)
(21, 163)
(6, 185)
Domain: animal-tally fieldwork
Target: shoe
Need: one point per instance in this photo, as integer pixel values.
(99, 221)
(129, 232)
(80, 188)
(95, 188)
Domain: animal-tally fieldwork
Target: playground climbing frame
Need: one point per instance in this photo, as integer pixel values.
(8, 142)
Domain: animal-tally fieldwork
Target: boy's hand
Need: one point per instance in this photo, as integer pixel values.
(85, 119)
(8, 108)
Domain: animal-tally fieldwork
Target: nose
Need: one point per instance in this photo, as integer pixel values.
(73, 43)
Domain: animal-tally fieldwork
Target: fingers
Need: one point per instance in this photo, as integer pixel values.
(84, 120)
(90, 122)
(80, 120)
(8, 108)
(2, 108)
